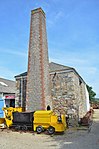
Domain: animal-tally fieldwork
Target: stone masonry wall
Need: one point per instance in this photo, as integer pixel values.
(80, 95)
(17, 95)
(82, 105)
(38, 91)
(20, 96)
(68, 94)
(62, 91)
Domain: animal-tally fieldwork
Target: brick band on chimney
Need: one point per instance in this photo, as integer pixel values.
(42, 66)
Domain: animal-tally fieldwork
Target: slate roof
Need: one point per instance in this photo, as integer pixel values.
(52, 68)
(57, 67)
(7, 86)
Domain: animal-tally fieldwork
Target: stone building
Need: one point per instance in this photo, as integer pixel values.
(69, 94)
(68, 91)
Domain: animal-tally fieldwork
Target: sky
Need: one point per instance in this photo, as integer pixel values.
(72, 34)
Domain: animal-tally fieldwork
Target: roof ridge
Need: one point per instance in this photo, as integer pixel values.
(6, 79)
(60, 64)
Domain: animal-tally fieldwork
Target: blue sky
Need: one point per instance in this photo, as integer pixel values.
(72, 31)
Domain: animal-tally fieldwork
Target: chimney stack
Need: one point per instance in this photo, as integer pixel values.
(38, 82)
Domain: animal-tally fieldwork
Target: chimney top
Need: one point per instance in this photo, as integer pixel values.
(37, 10)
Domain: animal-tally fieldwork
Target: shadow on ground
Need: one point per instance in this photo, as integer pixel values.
(77, 139)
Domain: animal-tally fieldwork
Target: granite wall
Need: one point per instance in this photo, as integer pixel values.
(68, 94)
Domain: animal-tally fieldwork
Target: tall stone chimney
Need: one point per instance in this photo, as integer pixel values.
(38, 88)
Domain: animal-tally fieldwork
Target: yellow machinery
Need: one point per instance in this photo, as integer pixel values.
(48, 120)
(39, 120)
(8, 114)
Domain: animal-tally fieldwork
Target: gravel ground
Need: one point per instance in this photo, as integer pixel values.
(71, 139)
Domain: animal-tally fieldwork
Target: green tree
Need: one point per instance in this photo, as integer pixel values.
(92, 94)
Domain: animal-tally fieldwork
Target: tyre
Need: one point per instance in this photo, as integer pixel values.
(24, 128)
(51, 130)
(39, 129)
(17, 128)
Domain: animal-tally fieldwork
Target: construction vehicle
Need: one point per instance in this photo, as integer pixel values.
(38, 121)
(48, 120)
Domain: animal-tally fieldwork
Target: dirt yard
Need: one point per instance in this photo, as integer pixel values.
(72, 139)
